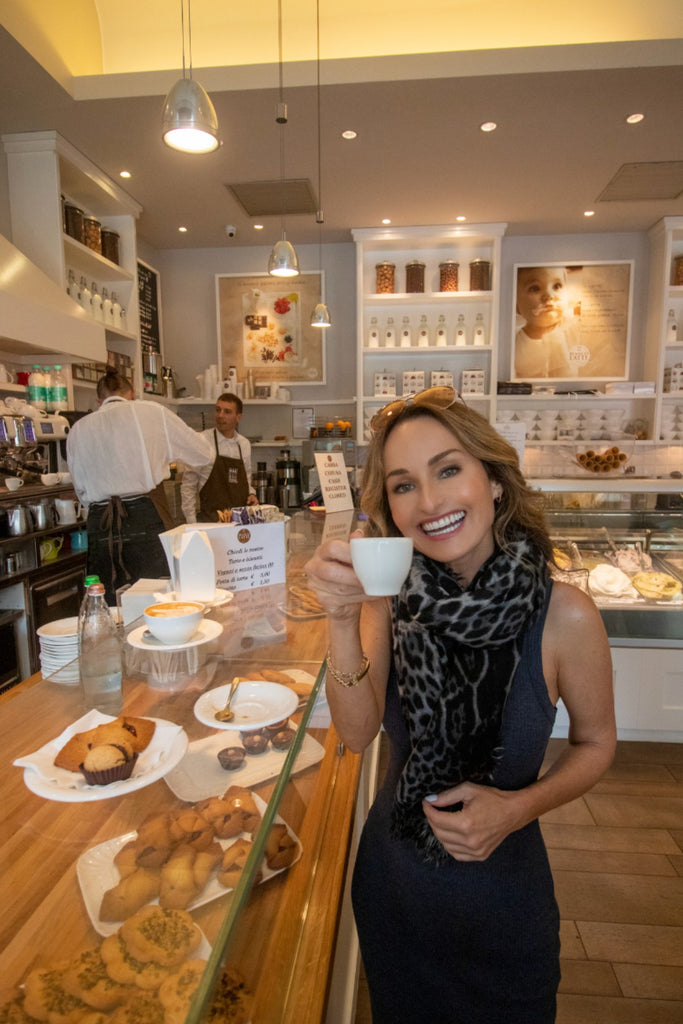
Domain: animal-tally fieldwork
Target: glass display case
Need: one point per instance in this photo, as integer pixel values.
(235, 870)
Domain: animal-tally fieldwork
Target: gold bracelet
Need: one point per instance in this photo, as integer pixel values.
(348, 678)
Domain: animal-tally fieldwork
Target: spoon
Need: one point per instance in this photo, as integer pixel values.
(225, 714)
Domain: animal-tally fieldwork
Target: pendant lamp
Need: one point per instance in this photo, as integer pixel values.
(189, 121)
(283, 261)
(320, 317)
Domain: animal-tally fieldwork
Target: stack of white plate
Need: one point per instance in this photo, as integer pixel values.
(58, 647)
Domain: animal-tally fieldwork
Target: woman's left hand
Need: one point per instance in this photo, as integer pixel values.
(487, 816)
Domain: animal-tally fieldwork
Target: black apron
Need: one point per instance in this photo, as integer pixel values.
(227, 486)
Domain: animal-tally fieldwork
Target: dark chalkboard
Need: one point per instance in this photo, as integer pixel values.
(148, 301)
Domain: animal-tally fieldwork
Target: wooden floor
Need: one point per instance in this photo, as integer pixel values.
(617, 860)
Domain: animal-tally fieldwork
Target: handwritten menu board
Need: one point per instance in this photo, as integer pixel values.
(148, 302)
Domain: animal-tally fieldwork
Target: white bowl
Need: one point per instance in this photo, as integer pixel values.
(173, 622)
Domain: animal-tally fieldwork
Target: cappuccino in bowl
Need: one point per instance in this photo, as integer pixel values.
(173, 622)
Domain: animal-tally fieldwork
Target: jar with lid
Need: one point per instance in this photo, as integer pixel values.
(479, 330)
(678, 270)
(85, 296)
(110, 244)
(115, 312)
(423, 338)
(448, 276)
(460, 331)
(96, 303)
(480, 276)
(385, 276)
(373, 333)
(92, 234)
(390, 333)
(406, 333)
(107, 318)
(441, 332)
(73, 221)
(415, 276)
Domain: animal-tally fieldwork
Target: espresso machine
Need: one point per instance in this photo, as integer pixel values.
(288, 475)
(20, 451)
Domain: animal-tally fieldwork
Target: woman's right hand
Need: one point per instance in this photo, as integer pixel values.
(331, 575)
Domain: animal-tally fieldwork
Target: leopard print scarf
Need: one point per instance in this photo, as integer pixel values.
(456, 653)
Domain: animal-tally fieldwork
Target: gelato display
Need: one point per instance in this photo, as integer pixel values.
(610, 581)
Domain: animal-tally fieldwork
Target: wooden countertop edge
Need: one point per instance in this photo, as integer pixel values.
(21, 687)
(303, 934)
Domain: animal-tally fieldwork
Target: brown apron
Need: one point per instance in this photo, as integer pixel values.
(158, 498)
(227, 486)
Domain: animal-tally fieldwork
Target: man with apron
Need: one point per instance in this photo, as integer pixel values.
(225, 483)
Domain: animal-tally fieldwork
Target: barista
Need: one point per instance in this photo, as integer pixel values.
(226, 482)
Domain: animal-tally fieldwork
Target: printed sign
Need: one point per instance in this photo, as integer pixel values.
(334, 481)
(247, 556)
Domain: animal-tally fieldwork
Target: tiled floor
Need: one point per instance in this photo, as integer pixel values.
(617, 860)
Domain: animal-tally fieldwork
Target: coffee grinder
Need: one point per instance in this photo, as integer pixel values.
(288, 481)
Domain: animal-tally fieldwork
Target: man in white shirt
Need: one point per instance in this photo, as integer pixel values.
(118, 457)
(226, 481)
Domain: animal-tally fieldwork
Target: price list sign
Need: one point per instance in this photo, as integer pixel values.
(248, 556)
(148, 302)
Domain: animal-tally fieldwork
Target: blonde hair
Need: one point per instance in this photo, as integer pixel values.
(518, 509)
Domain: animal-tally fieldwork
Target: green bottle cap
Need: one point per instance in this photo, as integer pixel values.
(91, 579)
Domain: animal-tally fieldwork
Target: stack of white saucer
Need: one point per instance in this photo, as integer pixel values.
(58, 648)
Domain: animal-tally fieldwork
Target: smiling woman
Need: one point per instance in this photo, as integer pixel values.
(455, 912)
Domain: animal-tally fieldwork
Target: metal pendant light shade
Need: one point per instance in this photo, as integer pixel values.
(189, 121)
(283, 260)
(320, 317)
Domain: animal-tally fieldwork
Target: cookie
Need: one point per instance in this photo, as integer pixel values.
(178, 886)
(72, 754)
(131, 893)
(139, 1008)
(231, 1003)
(241, 802)
(86, 978)
(46, 999)
(225, 818)
(176, 991)
(127, 969)
(166, 937)
(190, 827)
(13, 1012)
(232, 863)
(281, 848)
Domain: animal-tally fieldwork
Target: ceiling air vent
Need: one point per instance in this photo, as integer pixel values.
(268, 198)
(647, 181)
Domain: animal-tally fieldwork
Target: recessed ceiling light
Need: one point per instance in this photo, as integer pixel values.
(124, 174)
(461, 217)
(488, 126)
(349, 134)
(589, 213)
(386, 220)
(182, 230)
(635, 118)
(258, 227)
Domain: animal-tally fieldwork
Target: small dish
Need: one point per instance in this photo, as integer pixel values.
(256, 704)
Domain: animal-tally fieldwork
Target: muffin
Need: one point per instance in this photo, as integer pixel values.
(282, 740)
(254, 742)
(231, 758)
(109, 762)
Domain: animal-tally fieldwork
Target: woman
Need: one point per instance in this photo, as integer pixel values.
(455, 911)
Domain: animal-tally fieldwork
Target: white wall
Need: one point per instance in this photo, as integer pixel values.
(188, 299)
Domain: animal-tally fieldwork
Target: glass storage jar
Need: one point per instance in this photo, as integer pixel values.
(415, 276)
(678, 270)
(92, 234)
(448, 276)
(110, 244)
(73, 221)
(480, 276)
(385, 275)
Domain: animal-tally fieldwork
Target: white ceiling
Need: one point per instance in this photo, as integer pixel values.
(414, 80)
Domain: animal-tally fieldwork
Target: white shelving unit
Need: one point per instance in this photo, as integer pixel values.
(43, 168)
(666, 243)
(431, 245)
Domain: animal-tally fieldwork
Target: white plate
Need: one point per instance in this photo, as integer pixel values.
(141, 638)
(199, 775)
(167, 746)
(97, 873)
(67, 628)
(255, 704)
(219, 598)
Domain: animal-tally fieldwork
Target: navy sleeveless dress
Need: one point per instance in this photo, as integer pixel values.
(463, 943)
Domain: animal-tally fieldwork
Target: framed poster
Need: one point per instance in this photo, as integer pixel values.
(263, 326)
(571, 320)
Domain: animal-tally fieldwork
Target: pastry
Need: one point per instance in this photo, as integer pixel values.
(241, 802)
(305, 601)
(108, 762)
(657, 586)
(166, 937)
(139, 1008)
(72, 754)
(137, 731)
(231, 1003)
(154, 841)
(125, 860)
(190, 827)
(123, 967)
(270, 730)
(204, 863)
(131, 893)
(273, 676)
(232, 863)
(225, 818)
(46, 999)
(281, 848)
(282, 740)
(176, 991)
(86, 978)
(177, 883)
(13, 1012)
(254, 742)
(231, 758)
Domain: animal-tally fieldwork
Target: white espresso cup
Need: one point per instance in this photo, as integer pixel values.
(13, 483)
(381, 563)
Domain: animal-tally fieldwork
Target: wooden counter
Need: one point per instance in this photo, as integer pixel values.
(280, 934)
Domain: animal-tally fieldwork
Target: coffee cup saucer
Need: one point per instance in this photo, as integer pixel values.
(219, 598)
(143, 640)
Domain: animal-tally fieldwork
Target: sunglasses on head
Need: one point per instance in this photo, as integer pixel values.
(442, 397)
